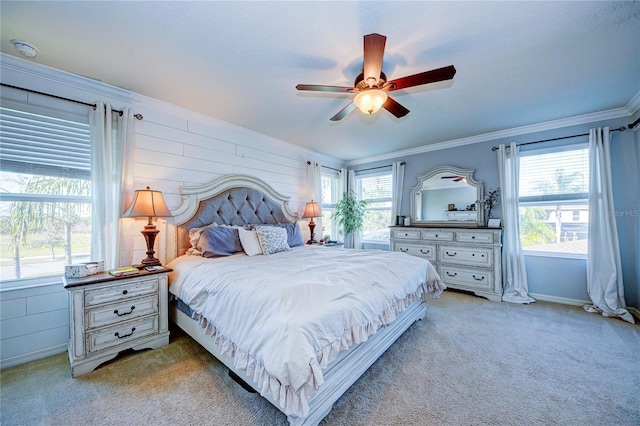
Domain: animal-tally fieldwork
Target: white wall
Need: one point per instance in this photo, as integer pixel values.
(173, 147)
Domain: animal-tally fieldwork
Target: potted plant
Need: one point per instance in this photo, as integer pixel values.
(349, 213)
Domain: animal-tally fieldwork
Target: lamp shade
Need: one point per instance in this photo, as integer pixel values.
(370, 100)
(312, 210)
(148, 203)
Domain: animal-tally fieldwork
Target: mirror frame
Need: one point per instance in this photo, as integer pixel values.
(468, 174)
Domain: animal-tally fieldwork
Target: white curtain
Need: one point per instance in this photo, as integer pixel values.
(514, 278)
(397, 183)
(112, 183)
(604, 271)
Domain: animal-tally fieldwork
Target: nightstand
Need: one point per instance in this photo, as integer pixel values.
(110, 314)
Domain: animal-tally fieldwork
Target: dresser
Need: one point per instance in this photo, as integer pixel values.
(466, 258)
(110, 314)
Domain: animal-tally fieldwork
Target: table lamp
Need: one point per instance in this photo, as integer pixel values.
(312, 211)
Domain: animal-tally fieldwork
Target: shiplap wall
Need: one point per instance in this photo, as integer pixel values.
(173, 147)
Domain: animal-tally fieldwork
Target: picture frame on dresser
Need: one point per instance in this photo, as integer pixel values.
(493, 223)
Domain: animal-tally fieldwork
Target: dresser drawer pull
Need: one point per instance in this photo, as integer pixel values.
(425, 252)
(125, 291)
(449, 254)
(449, 274)
(478, 279)
(406, 235)
(124, 313)
(404, 250)
(126, 335)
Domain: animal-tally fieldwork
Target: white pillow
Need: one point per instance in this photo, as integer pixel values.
(249, 241)
(272, 239)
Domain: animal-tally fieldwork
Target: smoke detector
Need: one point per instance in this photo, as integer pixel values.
(24, 48)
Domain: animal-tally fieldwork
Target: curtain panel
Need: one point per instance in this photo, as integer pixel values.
(516, 286)
(112, 183)
(604, 269)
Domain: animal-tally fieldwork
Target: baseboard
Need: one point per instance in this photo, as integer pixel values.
(561, 300)
(32, 356)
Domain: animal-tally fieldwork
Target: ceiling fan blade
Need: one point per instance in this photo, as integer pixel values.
(440, 74)
(343, 112)
(373, 53)
(395, 108)
(322, 88)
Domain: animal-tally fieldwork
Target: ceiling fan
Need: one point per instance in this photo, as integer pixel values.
(455, 178)
(371, 86)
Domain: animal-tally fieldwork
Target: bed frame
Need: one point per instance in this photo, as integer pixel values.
(242, 199)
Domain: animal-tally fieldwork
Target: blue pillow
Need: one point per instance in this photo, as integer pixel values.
(294, 234)
(218, 241)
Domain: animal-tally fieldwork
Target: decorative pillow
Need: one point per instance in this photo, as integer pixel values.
(217, 241)
(194, 236)
(294, 234)
(249, 241)
(272, 239)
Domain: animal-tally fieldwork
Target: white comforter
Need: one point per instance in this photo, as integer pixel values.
(285, 316)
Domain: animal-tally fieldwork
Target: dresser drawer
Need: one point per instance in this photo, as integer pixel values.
(466, 255)
(474, 279)
(413, 234)
(425, 251)
(474, 237)
(121, 334)
(118, 312)
(120, 292)
(437, 234)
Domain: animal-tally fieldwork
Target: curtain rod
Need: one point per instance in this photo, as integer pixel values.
(619, 129)
(634, 124)
(379, 167)
(326, 167)
(94, 106)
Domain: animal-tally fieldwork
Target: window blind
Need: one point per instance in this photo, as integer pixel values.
(552, 176)
(376, 187)
(36, 144)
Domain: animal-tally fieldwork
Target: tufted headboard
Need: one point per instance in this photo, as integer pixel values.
(231, 200)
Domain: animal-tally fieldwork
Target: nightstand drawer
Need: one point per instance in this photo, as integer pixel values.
(121, 292)
(121, 334)
(425, 251)
(123, 311)
(466, 255)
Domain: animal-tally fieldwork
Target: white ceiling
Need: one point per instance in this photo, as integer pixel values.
(518, 63)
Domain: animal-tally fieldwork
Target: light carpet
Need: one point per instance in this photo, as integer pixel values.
(469, 362)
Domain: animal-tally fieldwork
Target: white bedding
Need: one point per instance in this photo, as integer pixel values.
(285, 316)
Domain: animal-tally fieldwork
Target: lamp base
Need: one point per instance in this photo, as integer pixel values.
(150, 232)
(312, 226)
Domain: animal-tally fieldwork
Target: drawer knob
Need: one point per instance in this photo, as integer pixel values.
(124, 313)
(478, 279)
(117, 334)
(451, 275)
(449, 254)
(406, 235)
(424, 252)
(473, 237)
(436, 235)
(404, 250)
(125, 291)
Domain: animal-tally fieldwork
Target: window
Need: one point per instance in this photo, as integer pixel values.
(45, 192)
(376, 189)
(554, 206)
(330, 195)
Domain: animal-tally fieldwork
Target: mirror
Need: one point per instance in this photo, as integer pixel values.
(447, 195)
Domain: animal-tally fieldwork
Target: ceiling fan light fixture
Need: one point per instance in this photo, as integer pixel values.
(371, 100)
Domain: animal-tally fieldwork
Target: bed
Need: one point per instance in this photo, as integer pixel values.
(297, 323)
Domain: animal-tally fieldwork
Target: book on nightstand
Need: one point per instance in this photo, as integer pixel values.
(125, 270)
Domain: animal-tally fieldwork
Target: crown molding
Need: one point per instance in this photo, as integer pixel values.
(626, 111)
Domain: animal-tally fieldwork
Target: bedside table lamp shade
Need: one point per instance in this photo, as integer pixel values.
(148, 203)
(312, 211)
